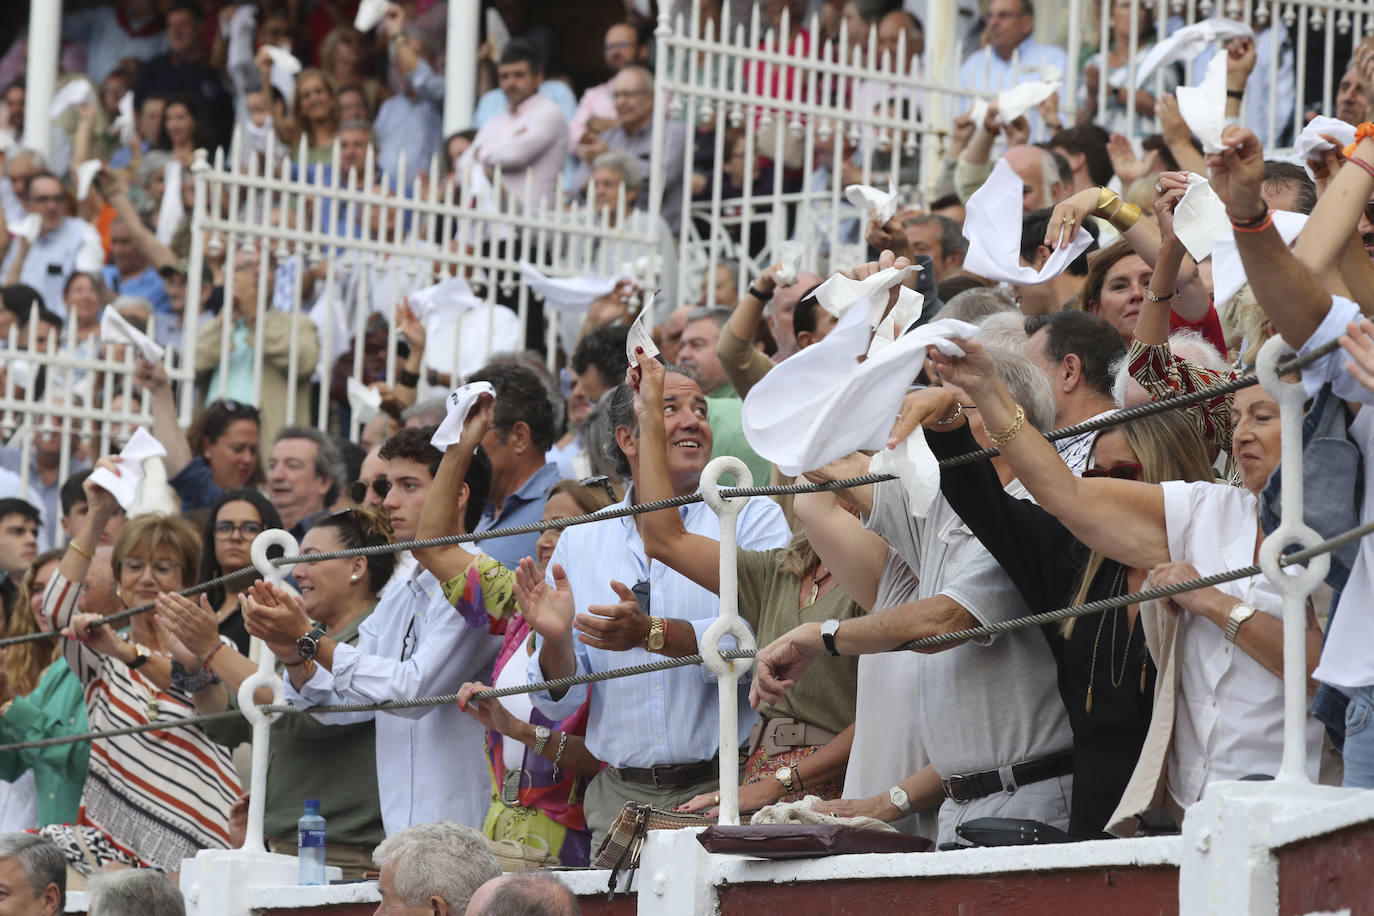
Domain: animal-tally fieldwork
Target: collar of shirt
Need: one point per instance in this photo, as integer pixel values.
(536, 487)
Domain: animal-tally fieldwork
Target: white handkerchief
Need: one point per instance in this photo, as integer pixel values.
(448, 298)
(790, 256)
(1310, 140)
(171, 210)
(1014, 102)
(837, 294)
(285, 66)
(1203, 106)
(77, 92)
(370, 15)
(115, 330)
(570, 294)
(914, 465)
(639, 336)
(7, 141)
(822, 404)
(85, 174)
(124, 486)
(460, 404)
(364, 402)
(978, 111)
(992, 225)
(283, 58)
(497, 33)
(123, 125)
(1200, 218)
(1187, 43)
(28, 227)
(883, 203)
(903, 317)
(1228, 274)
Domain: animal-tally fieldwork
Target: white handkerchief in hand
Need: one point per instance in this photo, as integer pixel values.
(115, 330)
(171, 210)
(1200, 217)
(839, 293)
(903, 317)
(978, 111)
(1310, 140)
(77, 92)
(1014, 102)
(497, 32)
(448, 298)
(992, 225)
(123, 125)
(370, 15)
(85, 174)
(283, 58)
(1228, 274)
(1187, 43)
(28, 227)
(364, 402)
(570, 294)
(914, 465)
(460, 404)
(1203, 106)
(124, 485)
(882, 203)
(639, 337)
(790, 256)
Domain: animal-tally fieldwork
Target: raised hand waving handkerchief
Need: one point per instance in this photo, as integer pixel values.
(790, 256)
(992, 225)
(460, 404)
(1200, 218)
(1203, 107)
(447, 299)
(27, 228)
(639, 338)
(882, 203)
(837, 294)
(85, 174)
(822, 404)
(115, 330)
(370, 15)
(75, 93)
(123, 125)
(1228, 274)
(570, 294)
(124, 485)
(1023, 97)
(364, 402)
(1187, 43)
(1311, 140)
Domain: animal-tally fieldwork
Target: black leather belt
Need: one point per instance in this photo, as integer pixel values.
(967, 787)
(671, 776)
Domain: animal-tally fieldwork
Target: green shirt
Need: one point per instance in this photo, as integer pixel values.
(768, 599)
(57, 706)
(335, 763)
(727, 436)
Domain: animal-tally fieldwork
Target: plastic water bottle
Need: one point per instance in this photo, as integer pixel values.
(310, 839)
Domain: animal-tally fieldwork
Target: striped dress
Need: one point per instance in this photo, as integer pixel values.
(156, 797)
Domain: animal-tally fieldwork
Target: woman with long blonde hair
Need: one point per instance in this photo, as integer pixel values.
(43, 699)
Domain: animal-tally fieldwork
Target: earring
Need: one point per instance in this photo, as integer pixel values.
(353, 578)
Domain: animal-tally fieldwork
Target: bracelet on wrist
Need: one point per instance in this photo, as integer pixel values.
(1150, 294)
(192, 683)
(760, 294)
(1235, 94)
(90, 555)
(1361, 131)
(952, 418)
(407, 379)
(1001, 437)
(1126, 216)
(205, 662)
(1259, 223)
(1357, 161)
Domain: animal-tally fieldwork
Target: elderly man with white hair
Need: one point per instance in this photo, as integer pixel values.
(33, 875)
(135, 892)
(432, 869)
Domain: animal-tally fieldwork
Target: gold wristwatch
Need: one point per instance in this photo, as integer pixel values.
(658, 634)
(784, 776)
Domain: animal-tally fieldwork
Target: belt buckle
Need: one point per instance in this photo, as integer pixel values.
(667, 769)
(510, 786)
(954, 786)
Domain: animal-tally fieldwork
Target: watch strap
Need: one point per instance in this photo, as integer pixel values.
(309, 644)
(541, 739)
(900, 800)
(828, 631)
(1239, 614)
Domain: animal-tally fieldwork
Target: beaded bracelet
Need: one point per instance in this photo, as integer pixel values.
(1364, 130)
(1257, 224)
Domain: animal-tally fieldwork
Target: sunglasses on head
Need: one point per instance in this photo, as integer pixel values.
(237, 409)
(358, 489)
(1126, 470)
(603, 482)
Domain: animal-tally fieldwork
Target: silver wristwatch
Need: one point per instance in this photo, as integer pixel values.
(1239, 614)
(897, 795)
(541, 738)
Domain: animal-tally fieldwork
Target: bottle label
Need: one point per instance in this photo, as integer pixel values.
(309, 838)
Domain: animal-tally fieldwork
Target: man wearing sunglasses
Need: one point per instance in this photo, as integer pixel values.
(64, 244)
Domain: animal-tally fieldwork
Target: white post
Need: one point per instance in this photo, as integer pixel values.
(941, 62)
(45, 40)
(727, 672)
(460, 77)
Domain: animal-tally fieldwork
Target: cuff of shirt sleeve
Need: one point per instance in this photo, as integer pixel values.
(542, 700)
(1330, 367)
(21, 717)
(320, 689)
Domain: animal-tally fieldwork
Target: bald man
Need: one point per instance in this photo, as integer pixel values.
(529, 895)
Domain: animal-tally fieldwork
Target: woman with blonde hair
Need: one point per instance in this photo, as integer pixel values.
(43, 699)
(314, 111)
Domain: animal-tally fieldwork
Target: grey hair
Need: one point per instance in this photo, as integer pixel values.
(154, 162)
(1003, 330)
(432, 411)
(631, 175)
(329, 463)
(1028, 384)
(422, 36)
(123, 302)
(438, 859)
(973, 305)
(135, 892)
(719, 314)
(1189, 344)
(39, 161)
(644, 72)
(619, 404)
(41, 860)
(359, 124)
(522, 894)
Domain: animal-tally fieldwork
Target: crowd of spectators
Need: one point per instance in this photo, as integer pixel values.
(442, 799)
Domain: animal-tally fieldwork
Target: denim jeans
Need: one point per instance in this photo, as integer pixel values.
(1359, 739)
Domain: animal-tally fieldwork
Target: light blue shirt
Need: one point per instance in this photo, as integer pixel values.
(414, 126)
(667, 717)
(74, 245)
(524, 506)
(986, 71)
(107, 43)
(431, 760)
(493, 102)
(147, 285)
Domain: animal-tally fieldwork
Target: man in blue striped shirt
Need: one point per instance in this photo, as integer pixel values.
(658, 733)
(412, 121)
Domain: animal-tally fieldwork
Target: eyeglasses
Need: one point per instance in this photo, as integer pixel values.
(48, 199)
(225, 530)
(160, 568)
(1126, 470)
(1369, 211)
(358, 489)
(602, 481)
(610, 46)
(628, 94)
(235, 408)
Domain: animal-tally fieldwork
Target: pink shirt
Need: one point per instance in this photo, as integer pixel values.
(597, 102)
(534, 137)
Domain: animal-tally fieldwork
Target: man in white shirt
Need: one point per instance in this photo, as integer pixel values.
(531, 136)
(64, 245)
(596, 110)
(1011, 56)
(1078, 352)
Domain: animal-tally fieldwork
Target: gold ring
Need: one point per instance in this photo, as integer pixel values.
(717, 799)
(1067, 219)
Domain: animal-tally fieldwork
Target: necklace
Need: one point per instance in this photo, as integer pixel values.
(816, 586)
(1115, 679)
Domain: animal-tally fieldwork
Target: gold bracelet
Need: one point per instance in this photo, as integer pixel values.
(1001, 437)
(1104, 200)
(1125, 217)
(85, 553)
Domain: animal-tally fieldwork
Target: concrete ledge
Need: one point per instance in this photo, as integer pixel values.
(296, 896)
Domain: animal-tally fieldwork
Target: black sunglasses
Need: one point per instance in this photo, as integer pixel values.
(236, 409)
(358, 489)
(1126, 470)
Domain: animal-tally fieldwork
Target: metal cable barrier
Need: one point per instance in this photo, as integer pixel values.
(934, 641)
